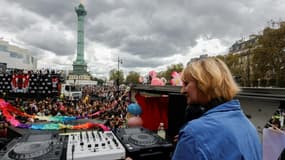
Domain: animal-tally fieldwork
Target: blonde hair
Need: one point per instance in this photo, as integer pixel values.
(213, 77)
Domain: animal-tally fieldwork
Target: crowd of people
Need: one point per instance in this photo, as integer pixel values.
(105, 103)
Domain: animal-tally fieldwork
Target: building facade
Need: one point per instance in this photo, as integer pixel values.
(242, 49)
(16, 57)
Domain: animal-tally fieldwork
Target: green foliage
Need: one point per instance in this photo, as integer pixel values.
(232, 60)
(132, 77)
(115, 76)
(261, 63)
(269, 57)
(167, 74)
(100, 81)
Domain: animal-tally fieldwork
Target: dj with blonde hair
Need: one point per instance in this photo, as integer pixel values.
(219, 129)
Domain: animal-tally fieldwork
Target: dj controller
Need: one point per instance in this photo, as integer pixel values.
(138, 143)
(90, 145)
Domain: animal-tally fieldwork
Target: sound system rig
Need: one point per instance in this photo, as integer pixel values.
(137, 143)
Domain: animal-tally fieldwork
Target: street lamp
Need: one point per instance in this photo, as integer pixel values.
(120, 61)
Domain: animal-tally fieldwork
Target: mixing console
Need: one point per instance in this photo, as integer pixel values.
(90, 145)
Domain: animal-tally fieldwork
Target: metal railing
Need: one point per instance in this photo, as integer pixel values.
(256, 93)
(263, 93)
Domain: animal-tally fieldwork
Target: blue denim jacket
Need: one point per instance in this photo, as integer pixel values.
(222, 133)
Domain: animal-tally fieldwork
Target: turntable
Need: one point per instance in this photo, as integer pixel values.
(30, 150)
(35, 147)
(141, 143)
(142, 139)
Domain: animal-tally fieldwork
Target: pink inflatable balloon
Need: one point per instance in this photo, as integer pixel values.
(135, 122)
(157, 82)
(152, 74)
(176, 79)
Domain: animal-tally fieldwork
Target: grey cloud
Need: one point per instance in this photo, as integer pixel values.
(53, 41)
(178, 23)
(147, 48)
(175, 26)
(49, 8)
(148, 29)
(130, 61)
(152, 63)
(14, 19)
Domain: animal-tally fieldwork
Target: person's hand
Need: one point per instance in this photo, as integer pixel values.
(128, 158)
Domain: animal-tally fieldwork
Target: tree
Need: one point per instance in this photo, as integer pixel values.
(167, 74)
(115, 76)
(232, 60)
(132, 77)
(270, 55)
(99, 80)
(261, 65)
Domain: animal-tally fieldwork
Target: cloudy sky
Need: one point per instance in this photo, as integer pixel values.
(145, 34)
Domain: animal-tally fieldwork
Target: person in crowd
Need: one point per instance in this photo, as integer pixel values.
(221, 131)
